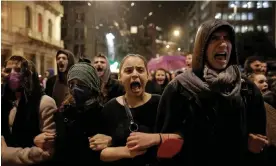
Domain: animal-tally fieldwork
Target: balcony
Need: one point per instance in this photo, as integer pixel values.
(58, 43)
(52, 6)
(26, 32)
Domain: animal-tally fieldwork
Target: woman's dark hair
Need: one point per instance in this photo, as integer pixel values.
(166, 81)
(132, 55)
(248, 61)
(30, 80)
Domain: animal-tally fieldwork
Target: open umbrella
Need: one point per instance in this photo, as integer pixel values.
(167, 62)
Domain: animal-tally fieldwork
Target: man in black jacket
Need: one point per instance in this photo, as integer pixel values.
(219, 115)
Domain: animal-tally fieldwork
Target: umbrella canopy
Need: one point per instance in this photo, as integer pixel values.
(167, 62)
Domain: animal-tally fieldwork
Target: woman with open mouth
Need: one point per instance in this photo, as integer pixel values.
(160, 77)
(260, 81)
(130, 118)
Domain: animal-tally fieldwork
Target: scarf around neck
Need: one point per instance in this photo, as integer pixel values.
(226, 83)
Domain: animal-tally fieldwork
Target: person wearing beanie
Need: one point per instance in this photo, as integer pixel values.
(78, 119)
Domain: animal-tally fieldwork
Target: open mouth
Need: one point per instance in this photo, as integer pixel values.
(264, 90)
(160, 81)
(221, 56)
(61, 65)
(99, 69)
(135, 86)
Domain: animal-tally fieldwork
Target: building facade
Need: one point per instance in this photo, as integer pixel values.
(32, 30)
(245, 16)
(85, 25)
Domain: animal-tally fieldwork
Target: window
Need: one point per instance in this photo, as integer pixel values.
(250, 28)
(81, 33)
(65, 17)
(28, 17)
(50, 28)
(40, 23)
(250, 16)
(80, 17)
(266, 28)
(218, 16)
(231, 17)
(266, 4)
(77, 33)
(244, 16)
(237, 3)
(82, 49)
(191, 24)
(76, 50)
(259, 5)
(238, 16)
(244, 5)
(203, 16)
(250, 4)
(244, 29)
(63, 32)
(259, 28)
(231, 4)
(224, 16)
(237, 29)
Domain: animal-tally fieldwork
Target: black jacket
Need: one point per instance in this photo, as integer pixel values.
(215, 129)
(73, 129)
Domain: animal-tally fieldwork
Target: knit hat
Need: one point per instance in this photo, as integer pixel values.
(85, 73)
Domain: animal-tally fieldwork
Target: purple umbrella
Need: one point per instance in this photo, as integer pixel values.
(167, 62)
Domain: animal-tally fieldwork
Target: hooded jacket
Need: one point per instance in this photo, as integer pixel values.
(56, 86)
(213, 127)
(21, 122)
(110, 88)
(201, 43)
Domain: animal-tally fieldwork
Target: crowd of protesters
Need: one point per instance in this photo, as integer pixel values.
(208, 112)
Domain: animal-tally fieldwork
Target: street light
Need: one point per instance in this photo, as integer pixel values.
(176, 33)
(110, 45)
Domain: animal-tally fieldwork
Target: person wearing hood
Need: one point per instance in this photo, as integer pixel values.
(26, 112)
(110, 88)
(56, 86)
(210, 108)
(78, 120)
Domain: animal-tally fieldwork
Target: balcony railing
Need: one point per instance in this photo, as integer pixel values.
(39, 36)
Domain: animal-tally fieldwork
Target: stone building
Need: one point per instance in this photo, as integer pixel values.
(31, 29)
